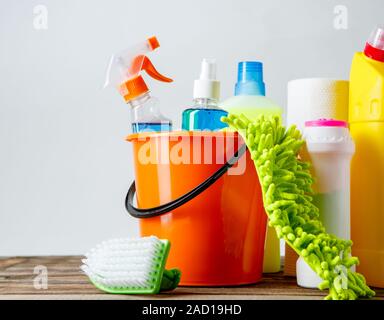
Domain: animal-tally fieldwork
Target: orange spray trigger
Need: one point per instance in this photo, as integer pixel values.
(151, 70)
(124, 70)
(153, 43)
(136, 85)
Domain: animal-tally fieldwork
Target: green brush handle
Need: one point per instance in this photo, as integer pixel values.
(170, 280)
(286, 186)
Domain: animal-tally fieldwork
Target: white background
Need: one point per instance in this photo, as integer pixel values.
(64, 164)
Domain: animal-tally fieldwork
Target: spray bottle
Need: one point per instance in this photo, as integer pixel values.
(366, 117)
(205, 113)
(124, 72)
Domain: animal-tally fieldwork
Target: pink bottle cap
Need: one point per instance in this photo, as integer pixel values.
(326, 123)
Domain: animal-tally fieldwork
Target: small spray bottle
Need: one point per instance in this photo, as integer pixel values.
(124, 73)
(205, 113)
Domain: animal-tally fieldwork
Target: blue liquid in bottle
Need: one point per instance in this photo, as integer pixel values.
(151, 127)
(203, 119)
(204, 115)
(146, 116)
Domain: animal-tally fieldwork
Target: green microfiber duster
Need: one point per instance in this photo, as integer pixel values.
(286, 184)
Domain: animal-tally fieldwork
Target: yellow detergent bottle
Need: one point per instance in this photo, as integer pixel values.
(250, 100)
(366, 116)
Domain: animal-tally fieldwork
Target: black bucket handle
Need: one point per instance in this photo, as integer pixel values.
(172, 205)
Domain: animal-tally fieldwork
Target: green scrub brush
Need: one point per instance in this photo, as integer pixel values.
(286, 184)
(131, 266)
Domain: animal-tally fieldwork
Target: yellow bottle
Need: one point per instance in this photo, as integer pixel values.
(366, 116)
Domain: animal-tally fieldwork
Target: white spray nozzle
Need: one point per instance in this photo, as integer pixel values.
(208, 69)
(207, 87)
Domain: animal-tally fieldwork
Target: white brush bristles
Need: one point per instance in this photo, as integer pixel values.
(124, 263)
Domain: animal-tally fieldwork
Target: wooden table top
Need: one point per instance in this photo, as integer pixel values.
(65, 281)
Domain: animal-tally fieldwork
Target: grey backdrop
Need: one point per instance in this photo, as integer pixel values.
(64, 164)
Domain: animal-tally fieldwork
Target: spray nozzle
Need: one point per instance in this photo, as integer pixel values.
(208, 69)
(207, 87)
(124, 69)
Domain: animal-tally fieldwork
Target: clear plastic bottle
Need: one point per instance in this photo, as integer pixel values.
(146, 116)
(205, 113)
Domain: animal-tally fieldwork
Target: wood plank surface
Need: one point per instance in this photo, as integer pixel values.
(66, 281)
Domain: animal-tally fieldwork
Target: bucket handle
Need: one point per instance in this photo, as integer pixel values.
(172, 205)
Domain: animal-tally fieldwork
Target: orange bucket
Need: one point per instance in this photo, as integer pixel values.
(201, 191)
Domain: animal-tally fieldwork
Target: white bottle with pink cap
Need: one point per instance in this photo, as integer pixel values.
(330, 148)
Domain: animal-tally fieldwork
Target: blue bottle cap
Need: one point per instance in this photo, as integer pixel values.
(250, 79)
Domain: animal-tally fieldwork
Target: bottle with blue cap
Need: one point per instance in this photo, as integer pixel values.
(250, 100)
(205, 113)
(249, 97)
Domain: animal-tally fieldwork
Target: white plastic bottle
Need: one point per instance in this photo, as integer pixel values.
(330, 148)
